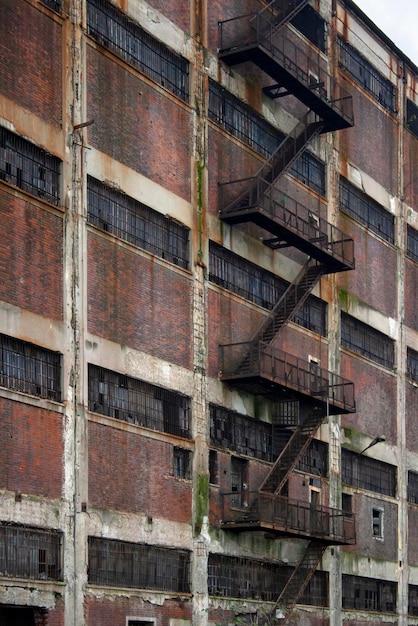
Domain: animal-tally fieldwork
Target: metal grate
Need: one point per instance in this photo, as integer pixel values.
(138, 402)
(128, 40)
(138, 224)
(412, 243)
(122, 564)
(260, 286)
(366, 473)
(367, 341)
(368, 594)
(28, 167)
(367, 76)
(412, 364)
(30, 369)
(53, 4)
(30, 552)
(358, 205)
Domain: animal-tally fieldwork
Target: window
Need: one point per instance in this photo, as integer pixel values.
(363, 209)
(412, 243)
(53, 4)
(122, 564)
(367, 76)
(315, 459)
(366, 473)
(377, 523)
(412, 117)
(136, 223)
(412, 364)
(30, 369)
(28, 167)
(138, 402)
(182, 465)
(347, 503)
(413, 487)
(250, 281)
(213, 468)
(30, 552)
(310, 171)
(116, 31)
(367, 341)
(413, 600)
(368, 594)
(312, 25)
(140, 622)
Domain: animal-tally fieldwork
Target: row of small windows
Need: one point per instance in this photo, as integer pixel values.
(366, 473)
(114, 30)
(117, 213)
(248, 280)
(367, 75)
(367, 341)
(368, 594)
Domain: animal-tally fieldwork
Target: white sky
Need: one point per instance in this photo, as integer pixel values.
(398, 19)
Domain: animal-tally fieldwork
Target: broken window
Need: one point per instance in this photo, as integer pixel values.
(315, 459)
(138, 402)
(123, 564)
(213, 467)
(113, 29)
(117, 213)
(366, 473)
(365, 210)
(377, 523)
(312, 25)
(30, 552)
(30, 369)
(367, 76)
(182, 463)
(367, 341)
(368, 594)
(412, 117)
(28, 167)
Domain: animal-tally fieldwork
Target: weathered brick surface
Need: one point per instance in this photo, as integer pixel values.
(31, 74)
(111, 610)
(411, 280)
(120, 485)
(411, 422)
(412, 526)
(410, 181)
(177, 12)
(137, 125)
(30, 257)
(31, 444)
(137, 302)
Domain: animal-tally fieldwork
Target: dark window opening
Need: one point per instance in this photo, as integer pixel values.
(53, 4)
(113, 29)
(182, 463)
(260, 286)
(315, 459)
(413, 600)
(367, 341)
(312, 25)
(366, 473)
(412, 243)
(368, 594)
(28, 167)
(377, 523)
(413, 487)
(31, 553)
(122, 564)
(310, 171)
(347, 503)
(213, 468)
(30, 369)
(363, 209)
(239, 483)
(412, 364)
(367, 76)
(138, 224)
(412, 117)
(138, 402)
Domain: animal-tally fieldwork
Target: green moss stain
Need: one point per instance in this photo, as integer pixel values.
(201, 502)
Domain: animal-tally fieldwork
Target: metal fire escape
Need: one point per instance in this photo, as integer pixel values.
(258, 366)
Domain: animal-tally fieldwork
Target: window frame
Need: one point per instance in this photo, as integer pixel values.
(182, 463)
(363, 472)
(412, 243)
(366, 341)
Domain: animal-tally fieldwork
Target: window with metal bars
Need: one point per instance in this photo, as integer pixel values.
(114, 30)
(413, 600)
(32, 553)
(28, 167)
(367, 76)
(312, 25)
(412, 364)
(138, 402)
(260, 286)
(182, 463)
(122, 564)
(30, 369)
(413, 487)
(310, 171)
(368, 594)
(367, 341)
(412, 243)
(120, 215)
(366, 473)
(363, 209)
(412, 117)
(53, 4)
(315, 459)
(235, 577)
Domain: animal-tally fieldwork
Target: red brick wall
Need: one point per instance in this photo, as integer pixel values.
(113, 610)
(30, 257)
(375, 276)
(30, 74)
(31, 444)
(411, 283)
(137, 125)
(177, 12)
(137, 302)
(121, 484)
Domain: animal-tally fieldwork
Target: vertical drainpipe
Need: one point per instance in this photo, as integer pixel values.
(200, 482)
